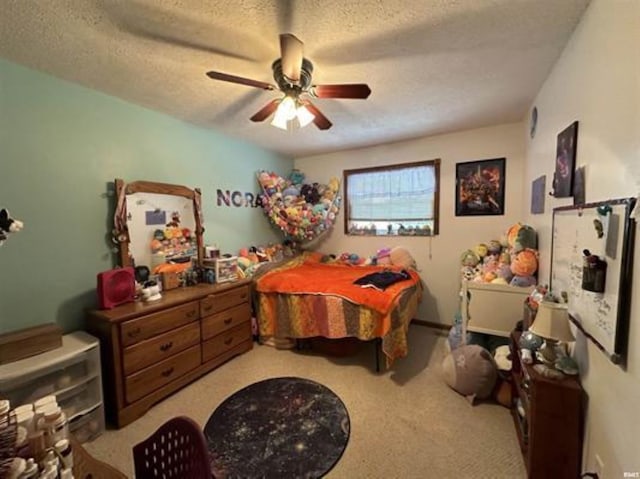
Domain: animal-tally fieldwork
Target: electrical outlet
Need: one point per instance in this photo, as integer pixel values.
(599, 467)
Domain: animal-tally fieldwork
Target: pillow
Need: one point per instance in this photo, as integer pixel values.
(401, 257)
(471, 371)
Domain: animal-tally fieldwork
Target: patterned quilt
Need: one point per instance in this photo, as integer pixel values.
(304, 298)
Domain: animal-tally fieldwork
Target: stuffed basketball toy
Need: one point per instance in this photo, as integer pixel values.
(8, 225)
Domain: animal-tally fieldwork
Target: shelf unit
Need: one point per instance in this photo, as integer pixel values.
(548, 418)
(72, 373)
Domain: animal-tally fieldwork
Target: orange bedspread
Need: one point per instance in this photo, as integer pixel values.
(312, 277)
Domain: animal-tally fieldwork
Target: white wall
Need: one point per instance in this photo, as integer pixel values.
(438, 258)
(597, 82)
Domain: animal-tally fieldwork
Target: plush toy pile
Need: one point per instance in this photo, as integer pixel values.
(252, 257)
(303, 211)
(513, 260)
(398, 256)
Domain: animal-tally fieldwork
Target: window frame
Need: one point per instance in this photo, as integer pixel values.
(435, 163)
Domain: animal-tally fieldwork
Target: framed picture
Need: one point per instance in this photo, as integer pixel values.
(226, 269)
(537, 195)
(565, 161)
(480, 187)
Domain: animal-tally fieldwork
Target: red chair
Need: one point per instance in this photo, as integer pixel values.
(177, 449)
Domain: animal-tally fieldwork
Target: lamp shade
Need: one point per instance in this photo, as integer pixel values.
(552, 322)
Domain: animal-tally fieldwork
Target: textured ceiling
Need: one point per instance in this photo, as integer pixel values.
(434, 66)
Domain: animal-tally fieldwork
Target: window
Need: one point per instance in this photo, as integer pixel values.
(393, 200)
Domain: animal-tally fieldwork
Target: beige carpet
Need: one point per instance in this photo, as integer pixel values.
(405, 422)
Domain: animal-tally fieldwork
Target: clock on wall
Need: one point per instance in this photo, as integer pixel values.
(533, 122)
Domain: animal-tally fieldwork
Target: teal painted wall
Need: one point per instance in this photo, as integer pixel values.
(61, 146)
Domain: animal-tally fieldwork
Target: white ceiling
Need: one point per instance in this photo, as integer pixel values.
(434, 66)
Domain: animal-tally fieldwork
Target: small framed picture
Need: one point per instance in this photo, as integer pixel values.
(480, 187)
(226, 269)
(565, 161)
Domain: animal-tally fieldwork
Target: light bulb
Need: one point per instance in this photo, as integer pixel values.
(280, 118)
(304, 116)
(288, 107)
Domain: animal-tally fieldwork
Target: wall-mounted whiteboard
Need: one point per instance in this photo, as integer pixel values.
(606, 230)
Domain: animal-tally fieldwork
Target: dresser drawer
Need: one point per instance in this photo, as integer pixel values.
(214, 303)
(220, 322)
(152, 324)
(160, 347)
(149, 379)
(225, 341)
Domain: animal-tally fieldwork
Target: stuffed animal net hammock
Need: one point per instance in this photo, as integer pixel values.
(302, 211)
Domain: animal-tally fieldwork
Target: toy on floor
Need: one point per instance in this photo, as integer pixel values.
(471, 371)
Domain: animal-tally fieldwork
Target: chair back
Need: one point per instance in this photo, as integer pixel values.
(176, 449)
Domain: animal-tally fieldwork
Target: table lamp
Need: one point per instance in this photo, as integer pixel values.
(552, 324)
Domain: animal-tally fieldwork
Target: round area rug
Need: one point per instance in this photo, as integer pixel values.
(281, 428)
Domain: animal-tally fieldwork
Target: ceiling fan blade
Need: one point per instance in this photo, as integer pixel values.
(267, 110)
(352, 90)
(321, 121)
(240, 80)
(291, 55)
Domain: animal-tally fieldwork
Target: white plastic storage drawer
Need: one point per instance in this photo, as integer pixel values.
(57, 371)
(80, 399)
(88, 426)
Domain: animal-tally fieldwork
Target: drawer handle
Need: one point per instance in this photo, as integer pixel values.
(134, 332)
(191, 314)
(167, 372)
(208, 308)
(228, 341)
(166, 346)
(228, 320)
(243, 296)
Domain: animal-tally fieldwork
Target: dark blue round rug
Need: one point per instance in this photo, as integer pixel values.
(278, 428)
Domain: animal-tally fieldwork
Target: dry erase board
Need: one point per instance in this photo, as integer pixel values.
(591, 263)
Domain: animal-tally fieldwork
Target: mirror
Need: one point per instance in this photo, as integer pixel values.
(158, 225)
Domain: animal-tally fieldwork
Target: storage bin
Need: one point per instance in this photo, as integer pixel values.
(88, 426)
(492, 308)
(71, 373)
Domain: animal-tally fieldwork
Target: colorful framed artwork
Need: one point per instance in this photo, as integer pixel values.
(480, 187)
(565, 161)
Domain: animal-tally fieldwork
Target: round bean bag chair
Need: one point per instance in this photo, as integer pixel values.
(471, 371)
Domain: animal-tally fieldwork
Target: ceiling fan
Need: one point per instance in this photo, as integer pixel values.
(292, 74)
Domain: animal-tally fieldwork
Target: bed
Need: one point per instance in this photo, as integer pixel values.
(306, 298)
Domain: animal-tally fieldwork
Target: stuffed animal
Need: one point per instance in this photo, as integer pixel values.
(8, 225)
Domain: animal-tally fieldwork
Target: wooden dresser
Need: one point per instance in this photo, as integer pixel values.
(150, 350)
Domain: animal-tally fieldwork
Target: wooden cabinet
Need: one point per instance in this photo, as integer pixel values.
(547, 414)
(150, 350)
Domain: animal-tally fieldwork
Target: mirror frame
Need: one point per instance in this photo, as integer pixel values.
(121, 230)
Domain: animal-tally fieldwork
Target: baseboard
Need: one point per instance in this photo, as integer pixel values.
(431, 324)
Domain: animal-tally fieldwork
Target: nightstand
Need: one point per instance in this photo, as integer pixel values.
(548, 417)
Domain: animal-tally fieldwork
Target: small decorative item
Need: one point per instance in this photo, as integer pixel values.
(151, 291)
(8, 225)
(170, 280)
(226, 269)
(480, 187)
(565, 161)
(537, 195)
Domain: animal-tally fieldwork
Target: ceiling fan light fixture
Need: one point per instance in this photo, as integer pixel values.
(304, 116)
(280, 120)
